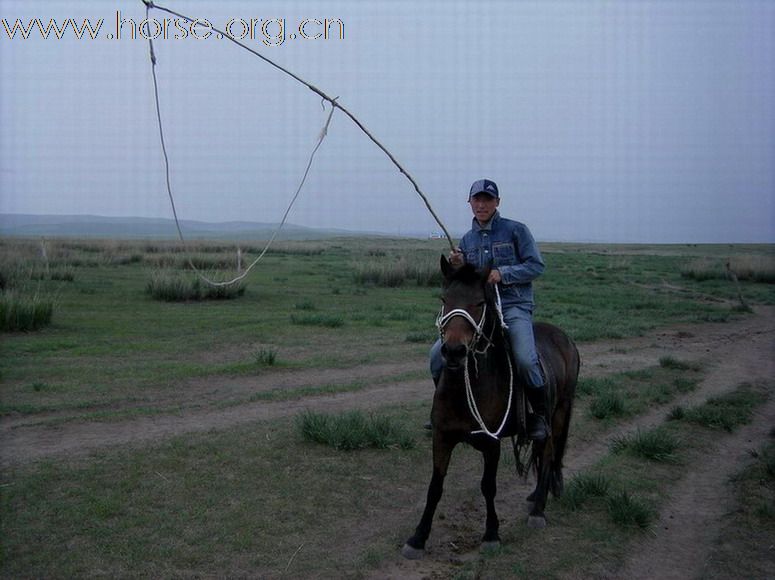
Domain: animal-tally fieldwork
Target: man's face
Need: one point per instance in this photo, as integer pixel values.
(484, 207)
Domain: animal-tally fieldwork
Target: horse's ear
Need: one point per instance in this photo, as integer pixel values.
(446, 267)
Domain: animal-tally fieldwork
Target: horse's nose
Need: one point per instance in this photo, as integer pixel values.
(453, 353)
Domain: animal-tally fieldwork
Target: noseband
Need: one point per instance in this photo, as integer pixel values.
(444, 319)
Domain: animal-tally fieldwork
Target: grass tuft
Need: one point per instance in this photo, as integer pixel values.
(24, 313)
(607, 404)
(584, 486)
(327, 320)
(670, 362)
(353, 430)
(173, 287)
(654, 445)
(727, 411)
(627, 510)
(265, 357)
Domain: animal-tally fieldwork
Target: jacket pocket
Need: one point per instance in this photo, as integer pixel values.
(503, 254)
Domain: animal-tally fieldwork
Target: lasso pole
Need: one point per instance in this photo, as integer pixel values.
(334, 103)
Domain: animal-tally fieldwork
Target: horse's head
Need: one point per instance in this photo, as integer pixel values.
(463, 312)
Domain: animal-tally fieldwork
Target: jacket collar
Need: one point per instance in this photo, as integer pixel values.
(489, 225)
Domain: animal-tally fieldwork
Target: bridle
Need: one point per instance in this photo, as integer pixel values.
(441, 322)
(444, 318)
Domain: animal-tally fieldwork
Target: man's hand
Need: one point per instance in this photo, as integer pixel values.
(456, 258)
(494, 277)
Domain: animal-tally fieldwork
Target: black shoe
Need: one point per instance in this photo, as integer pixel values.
(537, 429)
(428, 426)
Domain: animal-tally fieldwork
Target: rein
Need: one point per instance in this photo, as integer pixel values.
(441, 322)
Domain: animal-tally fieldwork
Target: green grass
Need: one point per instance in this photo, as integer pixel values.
(655, 445)
(241, 502)
(174, 287)
(20, 312)
(618, 396)
(584, 486)
(739, 551)
(608, 404)
(628, 510)
(265, 357)
(98, 347)
(670, 362)
(353, 430)
(232, 503)
(725, 412)
(326, 320)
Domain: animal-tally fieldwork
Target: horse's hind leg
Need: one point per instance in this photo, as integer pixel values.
(442, 451)
(489, 489)
(537, 499)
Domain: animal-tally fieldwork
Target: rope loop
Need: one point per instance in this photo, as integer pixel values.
(149, 4)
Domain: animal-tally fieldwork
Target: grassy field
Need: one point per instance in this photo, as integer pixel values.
(261, 500)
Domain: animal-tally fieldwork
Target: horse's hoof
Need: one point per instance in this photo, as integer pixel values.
(490, 546)
(411, 553)
(536, 522)
(529, 505)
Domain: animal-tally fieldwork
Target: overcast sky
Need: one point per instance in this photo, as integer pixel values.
(618, 121)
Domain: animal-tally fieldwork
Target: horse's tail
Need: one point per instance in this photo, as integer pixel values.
(561, 419)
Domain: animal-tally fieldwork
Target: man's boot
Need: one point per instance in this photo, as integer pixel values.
(537, 428)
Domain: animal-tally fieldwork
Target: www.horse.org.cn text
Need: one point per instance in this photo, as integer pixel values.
(269, 31)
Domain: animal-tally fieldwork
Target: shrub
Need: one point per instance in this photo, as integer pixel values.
(353, 430)
(24, 313)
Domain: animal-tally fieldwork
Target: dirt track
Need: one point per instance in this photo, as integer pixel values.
(733, 352)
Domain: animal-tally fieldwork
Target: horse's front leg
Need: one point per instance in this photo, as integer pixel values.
(442, 451)
(492, 454)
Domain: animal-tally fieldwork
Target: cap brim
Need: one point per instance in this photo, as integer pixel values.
(490, 193)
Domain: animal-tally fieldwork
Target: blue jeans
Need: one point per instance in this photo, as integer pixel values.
(520, 322)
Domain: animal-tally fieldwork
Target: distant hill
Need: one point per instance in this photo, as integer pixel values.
(90, 226)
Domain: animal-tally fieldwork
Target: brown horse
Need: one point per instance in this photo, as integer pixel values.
(479, 399)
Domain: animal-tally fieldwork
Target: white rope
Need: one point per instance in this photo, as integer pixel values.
(150, 4)
(471, 352)
(321, 136)
(472, 407)
(499, 308)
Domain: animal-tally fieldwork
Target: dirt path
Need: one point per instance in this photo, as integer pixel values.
(690, 522)
(739, 350)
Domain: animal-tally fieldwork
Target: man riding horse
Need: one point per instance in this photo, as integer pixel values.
(508, 248)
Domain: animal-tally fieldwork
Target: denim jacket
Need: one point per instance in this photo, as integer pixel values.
(508, 246)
